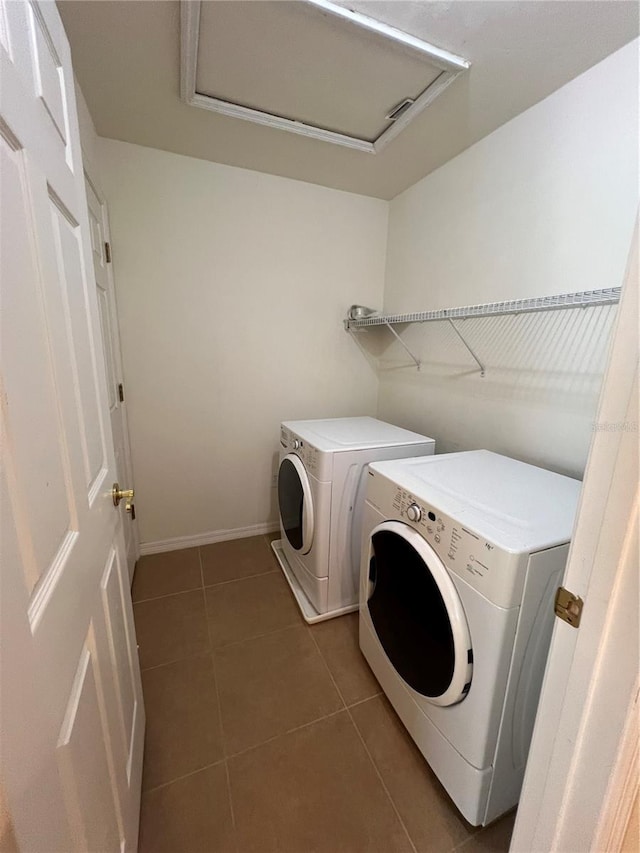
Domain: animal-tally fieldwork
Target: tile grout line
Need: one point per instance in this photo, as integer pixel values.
(204, 586)
(166, 595)
(366, 699)
(201, 570)
(366, 748)
(483, 829)
(215, 681)
(219, 648)
(184, 776)
(257, 636)
(382, 782)
(467, 841)
(326, 665)
(285, 733)
(295, 728)
(271, 571)
(231, 809)
(212, 647)
(241, 752)
(175, 660)
(238, 580)
(472, 837)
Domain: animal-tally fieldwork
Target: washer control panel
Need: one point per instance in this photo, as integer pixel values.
(292, 443)
(414, 513)
(453, 542)
(488, 568)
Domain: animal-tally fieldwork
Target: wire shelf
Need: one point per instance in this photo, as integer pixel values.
(583, 299)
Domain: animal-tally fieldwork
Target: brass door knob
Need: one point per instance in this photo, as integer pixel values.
(118, 494)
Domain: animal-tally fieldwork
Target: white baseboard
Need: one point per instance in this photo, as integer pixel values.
(209, 538)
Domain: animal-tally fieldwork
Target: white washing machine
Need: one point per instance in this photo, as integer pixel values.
(462, 555)
(320, 495)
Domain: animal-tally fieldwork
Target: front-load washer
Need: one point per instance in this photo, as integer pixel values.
(462, 555)
(320, 495)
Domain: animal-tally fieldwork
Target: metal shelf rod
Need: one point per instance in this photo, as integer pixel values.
(459, 334)
(582, 299)
(402, 344)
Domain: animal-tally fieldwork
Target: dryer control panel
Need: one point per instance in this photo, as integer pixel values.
(310, 455)
(461, 546)
(497, 574)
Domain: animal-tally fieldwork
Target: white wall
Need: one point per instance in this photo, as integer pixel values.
(88, 136)
(232, 286)
(544, 205)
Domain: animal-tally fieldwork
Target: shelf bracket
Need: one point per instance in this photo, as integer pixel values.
(403, 345)
(459, 334)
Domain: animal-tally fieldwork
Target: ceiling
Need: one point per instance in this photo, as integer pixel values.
(126, 55)
(336, 78)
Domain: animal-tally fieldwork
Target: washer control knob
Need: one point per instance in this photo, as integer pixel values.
(296, 444)
(414, 513)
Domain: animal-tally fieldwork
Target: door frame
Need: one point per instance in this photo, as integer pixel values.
(91, 181)
(89, 142)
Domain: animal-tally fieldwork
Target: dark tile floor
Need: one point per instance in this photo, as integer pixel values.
(265, 734)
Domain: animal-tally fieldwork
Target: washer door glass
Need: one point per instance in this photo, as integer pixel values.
(417, 614)
(296, 506)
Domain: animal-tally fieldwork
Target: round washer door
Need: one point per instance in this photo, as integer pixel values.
(417, 614)
(296, 503)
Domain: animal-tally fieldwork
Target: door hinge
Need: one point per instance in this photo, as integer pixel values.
(568, 607)
(107, 252)
(121, 392)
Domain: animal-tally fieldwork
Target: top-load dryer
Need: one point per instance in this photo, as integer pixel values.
(320, 494)
(462, 555)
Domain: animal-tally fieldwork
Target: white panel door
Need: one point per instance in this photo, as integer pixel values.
(573, 793)
(72, 715)
(102, 268)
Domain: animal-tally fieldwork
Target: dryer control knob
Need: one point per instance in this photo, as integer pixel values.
(296, 444)
(414, 513)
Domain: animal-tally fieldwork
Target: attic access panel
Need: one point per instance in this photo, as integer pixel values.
(310, 67)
